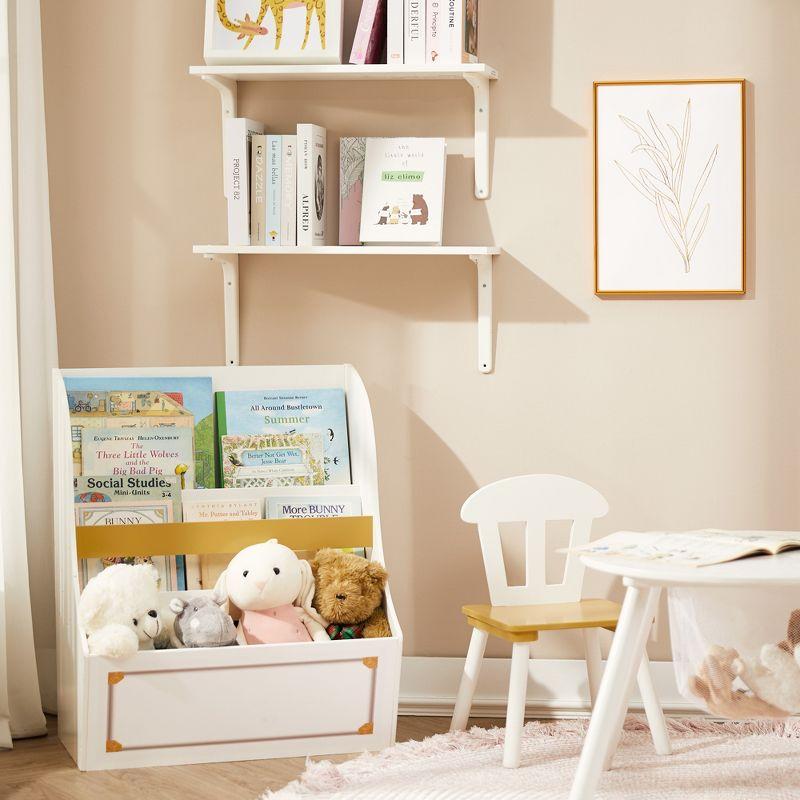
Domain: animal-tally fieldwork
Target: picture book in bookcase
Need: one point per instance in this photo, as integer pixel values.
(136, 441)
(369, 42)
(311, 167)
(273, 32)
(130, 500)
(255, 506)
(351, 186)
(403, 195)
(237, 134)
(290, 437)
(451, 31)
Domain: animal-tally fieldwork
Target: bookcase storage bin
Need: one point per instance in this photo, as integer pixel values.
(201, 705)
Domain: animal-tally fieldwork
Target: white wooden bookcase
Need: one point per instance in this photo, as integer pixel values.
(232, 703)
(225, 80)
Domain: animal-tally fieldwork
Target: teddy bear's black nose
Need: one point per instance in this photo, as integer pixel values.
(152, 613)
(341, 597)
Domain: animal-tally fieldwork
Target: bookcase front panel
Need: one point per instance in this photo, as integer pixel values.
(217, 705)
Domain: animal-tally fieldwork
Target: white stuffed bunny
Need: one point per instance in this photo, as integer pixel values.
(270, 590)
(118, 610)
(776, 679)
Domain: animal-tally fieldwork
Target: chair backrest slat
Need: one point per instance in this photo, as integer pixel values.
(533, 500)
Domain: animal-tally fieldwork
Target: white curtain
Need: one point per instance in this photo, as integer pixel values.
(27, 354)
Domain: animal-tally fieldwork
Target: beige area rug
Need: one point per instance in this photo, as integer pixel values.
(723, 761)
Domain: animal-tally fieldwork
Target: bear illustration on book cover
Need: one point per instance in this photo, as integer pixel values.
(403, 194)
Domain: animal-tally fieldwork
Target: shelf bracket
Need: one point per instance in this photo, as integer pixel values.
(227, 93)
(485, 321)
(230, 279)
(480, 91)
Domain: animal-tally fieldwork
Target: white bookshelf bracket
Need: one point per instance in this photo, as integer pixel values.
(485, 321)
(228, 258)
(230, 294)
(227, 93)
(480, 92)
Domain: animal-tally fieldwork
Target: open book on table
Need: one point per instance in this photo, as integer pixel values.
(692, 548)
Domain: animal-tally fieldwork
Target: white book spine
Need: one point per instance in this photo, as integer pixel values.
(436, 34)
(451, 46)
(258, 197)
(394, 32)
(310, 185)
(414, 32)
(289, 192)
(236, 140)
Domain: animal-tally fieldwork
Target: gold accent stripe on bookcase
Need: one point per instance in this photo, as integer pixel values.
(173, 538)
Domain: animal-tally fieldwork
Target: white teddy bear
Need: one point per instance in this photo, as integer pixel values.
(119, 610)
(776, 679)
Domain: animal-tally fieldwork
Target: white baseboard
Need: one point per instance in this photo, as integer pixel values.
(557, 688)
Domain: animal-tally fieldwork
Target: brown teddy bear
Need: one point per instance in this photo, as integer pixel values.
(349, 594)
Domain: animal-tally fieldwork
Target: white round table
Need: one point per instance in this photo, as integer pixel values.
(644, 581)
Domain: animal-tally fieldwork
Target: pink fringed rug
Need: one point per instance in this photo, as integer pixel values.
(723, 761)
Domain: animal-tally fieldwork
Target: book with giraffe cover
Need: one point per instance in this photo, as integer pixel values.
(273, 32)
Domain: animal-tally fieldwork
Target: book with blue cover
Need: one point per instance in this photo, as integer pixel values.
(105, 401)
(274, 174)
(303, 417)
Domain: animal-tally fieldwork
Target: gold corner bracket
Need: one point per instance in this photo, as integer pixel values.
(370, 662)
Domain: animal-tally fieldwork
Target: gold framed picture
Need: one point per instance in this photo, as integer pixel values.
(669, 184)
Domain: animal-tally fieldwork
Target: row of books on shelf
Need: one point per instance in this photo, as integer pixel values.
(138, 443)
(416, 32)
(391, 190)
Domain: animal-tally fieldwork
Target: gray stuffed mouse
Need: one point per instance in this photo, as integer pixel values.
(200, 622)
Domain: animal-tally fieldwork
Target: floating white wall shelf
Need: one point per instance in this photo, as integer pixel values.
(228, 258)
(478, 76)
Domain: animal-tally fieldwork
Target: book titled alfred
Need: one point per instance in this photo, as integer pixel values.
(370, 37)
(237, 134)
(311, 155)
(403, 197)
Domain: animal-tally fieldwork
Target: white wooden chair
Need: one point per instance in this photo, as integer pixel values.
(518, 613)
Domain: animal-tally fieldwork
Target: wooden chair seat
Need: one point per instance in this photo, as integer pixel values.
(523, 623)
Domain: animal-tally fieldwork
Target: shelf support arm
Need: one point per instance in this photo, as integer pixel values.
(480, 91)
(230, 278)
(485, 320)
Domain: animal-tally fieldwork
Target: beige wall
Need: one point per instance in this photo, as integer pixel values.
(682, 412)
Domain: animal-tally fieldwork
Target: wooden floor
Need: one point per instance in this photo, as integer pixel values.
(40, 769)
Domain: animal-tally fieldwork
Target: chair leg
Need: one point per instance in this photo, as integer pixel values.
(594, 661)
(469, 680)
(515, 714)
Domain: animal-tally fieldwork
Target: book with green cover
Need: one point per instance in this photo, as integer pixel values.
(310, 416)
